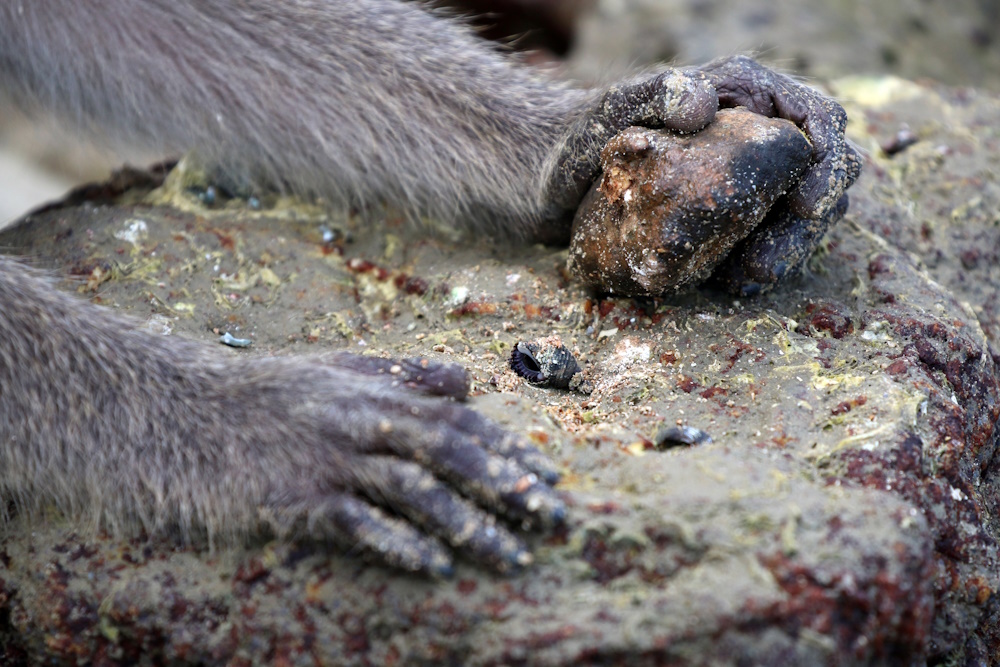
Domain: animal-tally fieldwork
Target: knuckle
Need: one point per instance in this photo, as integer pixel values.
(838, 115)
(743, 61)
(612, 100)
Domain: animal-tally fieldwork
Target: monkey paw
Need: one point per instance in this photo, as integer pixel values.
(670, 210)
(375, 458)
(742, 81)
(686, 100)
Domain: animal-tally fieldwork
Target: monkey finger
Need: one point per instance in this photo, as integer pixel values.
(418, 373)
(513, 446)
(683, 102)
(356, 523)
(823, 185)
(416, 494)
(499, 484)
(468, 424)
(675, 99)
(775, 251)
(741, 81)
(500, 441)
(836, 164)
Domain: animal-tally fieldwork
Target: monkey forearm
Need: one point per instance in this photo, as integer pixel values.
(358, 99)
(162, 433)
(364, 100)
(81, 402)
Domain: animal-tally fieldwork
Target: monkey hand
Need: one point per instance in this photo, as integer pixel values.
(742, 81)
(164, 433)
(686, 101)
(375, 435)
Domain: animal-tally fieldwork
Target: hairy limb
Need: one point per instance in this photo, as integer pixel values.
(356, 100)
(196, 441)
(373, 99)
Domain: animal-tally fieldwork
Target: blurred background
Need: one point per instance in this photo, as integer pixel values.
(955, 42)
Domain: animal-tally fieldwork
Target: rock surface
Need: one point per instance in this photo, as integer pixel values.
(957, 41)
(845, 511)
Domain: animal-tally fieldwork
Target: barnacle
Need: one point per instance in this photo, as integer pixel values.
(547, 363)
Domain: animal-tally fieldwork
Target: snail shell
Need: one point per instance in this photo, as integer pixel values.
(545, 362)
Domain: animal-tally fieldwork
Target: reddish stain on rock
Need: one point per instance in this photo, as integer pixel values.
(411, 284)
(846, 406)
(940, 466)
(687, 384)
(832, 319)
(712, 392)
(474, 308)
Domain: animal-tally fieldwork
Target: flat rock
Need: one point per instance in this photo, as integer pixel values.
(844, 513)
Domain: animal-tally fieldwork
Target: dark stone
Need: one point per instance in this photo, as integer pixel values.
(669, 207)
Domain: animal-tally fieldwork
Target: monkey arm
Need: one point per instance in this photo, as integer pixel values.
(138, 431)
(356, 100)
(375, 99)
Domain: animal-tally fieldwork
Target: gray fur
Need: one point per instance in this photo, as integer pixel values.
(357, 101)
(131, 431)
(300, 93)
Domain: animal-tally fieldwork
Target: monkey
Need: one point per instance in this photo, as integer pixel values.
(358, 101)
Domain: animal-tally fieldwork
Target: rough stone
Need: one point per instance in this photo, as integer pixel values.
(844, 513)
(669, 207)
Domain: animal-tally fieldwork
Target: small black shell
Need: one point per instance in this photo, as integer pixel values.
(678, 436)
(545, 363)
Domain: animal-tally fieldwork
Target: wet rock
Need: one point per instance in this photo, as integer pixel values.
(668, 208)
(845, 512)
